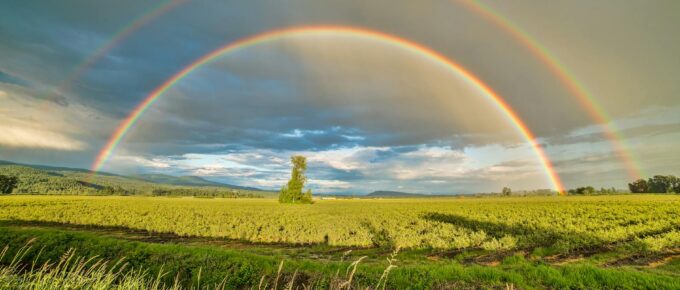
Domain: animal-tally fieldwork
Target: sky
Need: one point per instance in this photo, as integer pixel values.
(368, 115)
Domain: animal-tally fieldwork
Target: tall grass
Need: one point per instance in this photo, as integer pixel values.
(72, 271)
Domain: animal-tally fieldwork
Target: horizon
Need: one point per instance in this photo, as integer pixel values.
(363, 192)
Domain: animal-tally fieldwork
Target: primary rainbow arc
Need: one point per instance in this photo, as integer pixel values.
(568, 80)
(425, 52)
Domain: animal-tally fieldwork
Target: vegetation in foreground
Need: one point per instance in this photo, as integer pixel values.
(70, 271)
(644, 222)
(628, 241)
(121, 264)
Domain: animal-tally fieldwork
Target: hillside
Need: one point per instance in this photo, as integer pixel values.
(187, 180)
(395, 194)
(39, 179)
(388, 193)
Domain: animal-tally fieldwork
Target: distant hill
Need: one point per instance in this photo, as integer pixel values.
(394, 194)
(387, 193)
(187, 180)
(55, 168)
(41, 179)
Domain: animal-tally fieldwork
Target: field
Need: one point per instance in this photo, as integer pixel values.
(495, 240)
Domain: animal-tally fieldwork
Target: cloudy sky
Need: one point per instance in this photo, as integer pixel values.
(367, 114)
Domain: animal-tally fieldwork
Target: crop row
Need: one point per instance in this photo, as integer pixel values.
(446, 224)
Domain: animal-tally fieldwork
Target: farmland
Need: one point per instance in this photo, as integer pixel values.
(445, 224)
(638, 231)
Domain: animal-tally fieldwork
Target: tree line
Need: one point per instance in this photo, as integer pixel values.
(656, 184)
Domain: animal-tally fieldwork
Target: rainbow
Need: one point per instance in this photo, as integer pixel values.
(116, 39)
(361, 33)
(567, 78)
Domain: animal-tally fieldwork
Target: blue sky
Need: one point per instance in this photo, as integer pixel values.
(368, 116)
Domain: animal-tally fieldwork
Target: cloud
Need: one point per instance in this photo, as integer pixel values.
(30, 124)
(153, 163)
(651, 122)
(11, 79)
(21, 135)
(23, 125)
(376, 98)
(358, 169)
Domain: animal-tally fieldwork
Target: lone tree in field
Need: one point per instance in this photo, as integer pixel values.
(292, 192)
(7, 184)
(506, 191)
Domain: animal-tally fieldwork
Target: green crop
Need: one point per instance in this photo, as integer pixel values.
(651, 222)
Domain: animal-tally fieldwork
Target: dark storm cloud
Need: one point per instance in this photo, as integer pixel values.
(49, 41)
(639, 132)
(45, 40)
(63, 35)
(586, 161)
(330, 173)
(622, 51)
(150, 55)
(11, 79)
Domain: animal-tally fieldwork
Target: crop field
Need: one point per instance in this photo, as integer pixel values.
(478, 240)
(496, 224)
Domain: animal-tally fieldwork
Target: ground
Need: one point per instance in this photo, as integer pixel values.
(526, 242)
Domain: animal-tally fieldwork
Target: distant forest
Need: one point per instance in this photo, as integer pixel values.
(66, 181)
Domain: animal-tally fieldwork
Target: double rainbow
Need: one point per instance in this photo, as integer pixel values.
(360, 33)
(566, 77)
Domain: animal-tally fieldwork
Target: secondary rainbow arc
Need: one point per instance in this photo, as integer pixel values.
(117, 38)
(568, 80)
(399, 42)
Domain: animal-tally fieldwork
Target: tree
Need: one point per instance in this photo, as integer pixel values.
(663, 184)
(583, 190)
(506, 191)
(587, 190)
(8, 184)
(292, 192)
(638, 186)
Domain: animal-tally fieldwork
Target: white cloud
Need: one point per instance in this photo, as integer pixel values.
(27, 121)
(155, 163)
(426, 169)
(297, 133)
(345, 158)
(15, 134)
(329, 184)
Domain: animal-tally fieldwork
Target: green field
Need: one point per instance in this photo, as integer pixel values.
(529, 242)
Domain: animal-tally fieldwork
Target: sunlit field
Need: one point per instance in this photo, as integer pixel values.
(639, 233)
(495, 224)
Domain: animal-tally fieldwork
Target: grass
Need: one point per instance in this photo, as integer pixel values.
(603, 242)
(182, 266)
(442, 224)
